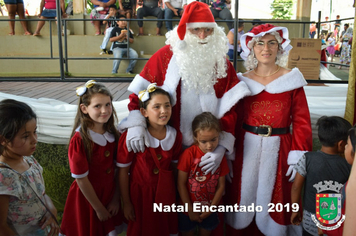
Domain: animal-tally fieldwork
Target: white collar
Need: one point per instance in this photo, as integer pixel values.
(100, 139)
(166, 143)
(287, 82)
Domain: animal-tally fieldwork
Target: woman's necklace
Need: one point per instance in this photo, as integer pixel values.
(266, 75)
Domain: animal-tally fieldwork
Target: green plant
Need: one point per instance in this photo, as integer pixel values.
(282, 9)
(56, 173)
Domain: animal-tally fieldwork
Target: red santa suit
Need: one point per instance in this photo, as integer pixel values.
(261, 162)
(163, 70)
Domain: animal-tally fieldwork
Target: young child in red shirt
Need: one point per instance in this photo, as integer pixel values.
(196, 187)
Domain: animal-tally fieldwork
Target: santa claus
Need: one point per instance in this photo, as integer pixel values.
(194, 69)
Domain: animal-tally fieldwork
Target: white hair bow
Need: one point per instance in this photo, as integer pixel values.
(82, 89)
(144, 95)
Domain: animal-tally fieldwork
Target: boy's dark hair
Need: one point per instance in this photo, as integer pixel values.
(332, 129)
(13, 116)
(157, 91)
(113, 6)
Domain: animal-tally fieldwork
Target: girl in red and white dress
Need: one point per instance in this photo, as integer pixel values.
(93, 202)
(273, 134)
(138, 172)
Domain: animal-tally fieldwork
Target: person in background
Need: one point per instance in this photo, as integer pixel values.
(127, 8)
(48, 10)
(325, 27)
(110, 21)
(140, 173)
(26, 209)
(230, 37)
(173, 8)
(120, 36)
(312, 30)
(266, 148)
(315, 167)
(255, 23)
(194, 186)
(100, 11)
(93, 203)
(16, 7)
(220, 10)
(331, 46)
(345, 56)
(150, 8)
(337, 26)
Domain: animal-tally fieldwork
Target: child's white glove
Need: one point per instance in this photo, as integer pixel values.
(211, 160)
(136, 139)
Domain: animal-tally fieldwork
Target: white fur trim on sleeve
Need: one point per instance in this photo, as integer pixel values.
(231, 97)
(227, 140)
(80, 176)
(123, 165)
(138, 84)
(135, 118)
(294, 156)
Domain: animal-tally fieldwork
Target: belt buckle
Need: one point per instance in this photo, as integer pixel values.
(269, 128)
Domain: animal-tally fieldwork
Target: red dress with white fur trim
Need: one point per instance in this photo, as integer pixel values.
(143, 183)
(262, 162)
(79, 218)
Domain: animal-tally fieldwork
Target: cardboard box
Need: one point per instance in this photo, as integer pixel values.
(305, 55)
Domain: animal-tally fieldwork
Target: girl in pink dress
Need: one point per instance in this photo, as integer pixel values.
(92, 207)
(331, 48)
(138, 172)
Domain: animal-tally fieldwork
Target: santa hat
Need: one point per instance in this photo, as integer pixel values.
(261, 31)
(195, 15)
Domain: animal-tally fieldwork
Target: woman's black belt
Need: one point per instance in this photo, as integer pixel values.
(265, 130)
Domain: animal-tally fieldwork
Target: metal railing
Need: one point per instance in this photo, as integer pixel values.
(63, 50)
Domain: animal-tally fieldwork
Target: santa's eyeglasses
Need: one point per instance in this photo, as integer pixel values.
(273, 44)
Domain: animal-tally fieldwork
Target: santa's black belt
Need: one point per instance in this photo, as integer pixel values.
(265, 130)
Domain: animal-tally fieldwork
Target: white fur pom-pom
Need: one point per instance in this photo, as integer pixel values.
(181, 44)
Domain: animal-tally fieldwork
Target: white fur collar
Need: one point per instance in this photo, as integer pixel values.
(287, 82)
(166, 143)
(100, 139)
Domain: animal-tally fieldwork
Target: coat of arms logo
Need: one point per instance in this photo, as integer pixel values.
(328, 206)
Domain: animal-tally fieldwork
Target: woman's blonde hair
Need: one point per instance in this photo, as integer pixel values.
(251, 61)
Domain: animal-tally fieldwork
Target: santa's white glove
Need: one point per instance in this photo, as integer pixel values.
(136, 139)
(292, 172)
(211, 160)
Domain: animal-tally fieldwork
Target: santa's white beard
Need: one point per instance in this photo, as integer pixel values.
(200, 65)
